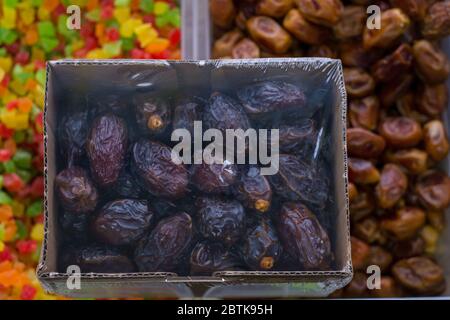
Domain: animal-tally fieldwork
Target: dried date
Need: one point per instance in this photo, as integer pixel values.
(394, 64)
(364, 113)
(431, 63)
(436, 140)
(362, 171)
(76, 192)
(436, 23)
(215, 177)
(223, 12)
(303, 237)
(322, 12)
(405, 223)
(152, 114)
(401, 132)
(358, 83)
(304, 30)
(433, 189)
(364, 144)
(253, 190)
(269, 34)
(72, 137)
(392, 186)
(166, 246)
(432, 99)
(209, 257)
(245, 49)
(106, 148)
(122, 222)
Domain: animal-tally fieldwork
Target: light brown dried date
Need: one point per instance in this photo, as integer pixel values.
(367, 229)
(408, 248)
(380, 257)
(436, 140)
(351, 24)
(360, 254)
(431, 63)
(352, 192)
(364, 113)
(269, 34)
(303, 237)
(394, 64)
(433, 189)
(420, 275)
(394, 89)
(432, 99)
(405, 223)
(303, 30)
(363, 143)
(362, 206)
(322, 12)
(389, 288)
(393, 25)
(401, 132)
(222, 12)
(245, 49)
(415, 9)
(392, 186)
(437, 21)
(413, 160)
(353, 54)
(223, 46)
(358, 83)
(362, 171)
(323, 51)
(273, 8)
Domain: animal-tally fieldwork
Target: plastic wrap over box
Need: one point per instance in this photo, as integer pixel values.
(74, 80)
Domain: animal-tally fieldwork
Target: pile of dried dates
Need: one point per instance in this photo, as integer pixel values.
(126, 206)
(395, 80)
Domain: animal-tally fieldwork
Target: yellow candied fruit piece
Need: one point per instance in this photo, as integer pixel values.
(43, 14)
(2, 246)
(18, 208)
(5, 63)
(9, 17)
(122, 14)
(129, 26)
(37, 233)
(27, 16)
(146, 35)
(96, 54)
(2, 74)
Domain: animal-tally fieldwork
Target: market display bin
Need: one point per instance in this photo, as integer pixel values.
(77, 79)
(198, 45)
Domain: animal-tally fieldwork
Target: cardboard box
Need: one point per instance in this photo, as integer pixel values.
(74, 80)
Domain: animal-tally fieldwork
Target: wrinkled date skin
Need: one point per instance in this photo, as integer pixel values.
(261, 249)
(76, 192)
(362, 171)
(437, 21)
(122, 222)
(303, 237)
(396, 63)
(432, 99)
(322, 12)
(413, 160)
(253, 190)
(297, 180)
(152, 114)
(401, 132)
(364, 113)
(302, 136)
(420, 275)
(393, 24)
(358, 83)
(392, 186)
(72, 137)
(215, 177)
(222, 112)
(185, 113)
(74, 226)
(351, 24)
(433, 189)
(416, 9)
(166, 245)
(364, 144)
(99, 259)
(245, 49)
(209, 257)
(220, 220)
(431, 63)
(154, 168)
(106, 148)
(405, 223)
(271, 96)
(273, 8)
(269, 34)
(304, 30)
(436, 140)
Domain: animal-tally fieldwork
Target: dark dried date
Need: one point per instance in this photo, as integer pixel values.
(209, 257)
(215, 177)
(122, 222)
(220, 220)
(76, 191)
(297, 180)
(72, 137)
(166, 246)
(185, 113)
(106, 148)
(271, 96)
(253, 190)
(152, 114)
(303, 237)
(153, 165)
(261, 249)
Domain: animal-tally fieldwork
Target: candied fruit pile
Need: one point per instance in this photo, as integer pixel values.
(395, 80)
(127, 205)
(32, 32)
